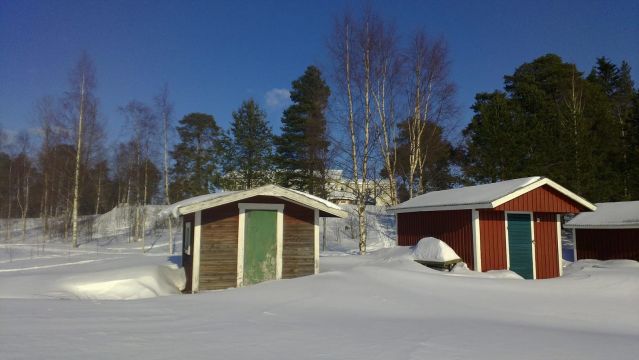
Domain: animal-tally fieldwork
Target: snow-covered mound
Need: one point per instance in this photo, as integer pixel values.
(462, 269)
(127, 284)
(121, 219)
(433, 249)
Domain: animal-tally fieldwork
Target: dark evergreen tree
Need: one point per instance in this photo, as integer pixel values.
(302, 148)
(249, 152)
(550, 121)
(197, 157)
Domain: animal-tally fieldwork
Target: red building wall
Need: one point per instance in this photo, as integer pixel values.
(546, 247)
(608, 244)
(453, 227)
(492, 232)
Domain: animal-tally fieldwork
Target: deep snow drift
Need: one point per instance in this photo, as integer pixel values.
(380, 306)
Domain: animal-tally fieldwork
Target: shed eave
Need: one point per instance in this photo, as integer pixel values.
(397, 210)
(267, 190)
(608, 226)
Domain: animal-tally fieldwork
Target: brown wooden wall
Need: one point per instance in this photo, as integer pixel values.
(218, 247)
(546, 247)
(453, 227)
(608, 244)
(187, 260)
(218, 243)
(542, 199)
(298, 251)
(492, 230)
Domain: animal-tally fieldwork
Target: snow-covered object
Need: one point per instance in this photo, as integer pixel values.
(483, 196)
(433, 249)
(610, 215)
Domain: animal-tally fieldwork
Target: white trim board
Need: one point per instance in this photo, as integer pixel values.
(559, 252)
(476, 240)
(195, 268)
(316, 240)
(243, 207)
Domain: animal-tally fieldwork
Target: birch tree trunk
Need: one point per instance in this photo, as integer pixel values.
(76, 178)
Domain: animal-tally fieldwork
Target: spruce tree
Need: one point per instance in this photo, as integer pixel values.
(302, 148)
(249, 152)
(197, 157)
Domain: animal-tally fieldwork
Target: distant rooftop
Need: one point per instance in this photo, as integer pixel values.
(609, 215)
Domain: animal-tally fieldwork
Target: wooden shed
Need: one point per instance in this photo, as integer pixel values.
(232, 239)
(611, 232)
(512, 224)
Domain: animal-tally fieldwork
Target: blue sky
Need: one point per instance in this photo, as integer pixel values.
(214, 55)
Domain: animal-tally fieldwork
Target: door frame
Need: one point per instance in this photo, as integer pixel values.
(279, 237)
(532, 236)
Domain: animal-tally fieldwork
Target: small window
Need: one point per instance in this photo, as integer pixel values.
(186, 238)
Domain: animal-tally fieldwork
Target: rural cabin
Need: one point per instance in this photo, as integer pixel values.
(514, 224)
(610, 232)
(238, 238)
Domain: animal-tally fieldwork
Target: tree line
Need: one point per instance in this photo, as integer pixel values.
(384, 111)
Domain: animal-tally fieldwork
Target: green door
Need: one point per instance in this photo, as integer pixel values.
(520, 245)
(260, 244)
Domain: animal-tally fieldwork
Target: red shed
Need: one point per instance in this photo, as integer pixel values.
(512, 224)
(611, 232)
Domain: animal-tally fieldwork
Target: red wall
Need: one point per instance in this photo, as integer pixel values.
(608, 244)
(546, 247)
(493, 240)
(453, 227)
(541, 199)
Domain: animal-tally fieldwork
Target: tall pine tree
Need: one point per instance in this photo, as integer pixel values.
(302, 148)
(249, 152)
(197, 157)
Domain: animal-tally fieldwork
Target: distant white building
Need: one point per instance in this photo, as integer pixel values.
(342, 190)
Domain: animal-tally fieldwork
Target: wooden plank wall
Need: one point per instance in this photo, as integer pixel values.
(546, 247)
(453, 227)
(218, 247)
(298, 253)
(187, 260)
(492, 230)
(542, 199)
(608, 244)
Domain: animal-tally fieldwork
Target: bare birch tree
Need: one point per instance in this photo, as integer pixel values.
(431, 97)
(80, 103)
(165, 110)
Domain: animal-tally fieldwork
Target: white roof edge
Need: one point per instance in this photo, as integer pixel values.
(539, 183)
(440, 208)
(266, 190)
(608, 226)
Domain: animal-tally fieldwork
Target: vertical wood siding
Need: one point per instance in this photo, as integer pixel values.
(298, 252)
(453, 227)
(492, 231)
(542, 199)
(187, 260)
(218, 244)
(546, 250)
(608, 244)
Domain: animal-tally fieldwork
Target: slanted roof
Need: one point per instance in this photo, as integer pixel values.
(609, 215)
(487, 196)
(217, 199)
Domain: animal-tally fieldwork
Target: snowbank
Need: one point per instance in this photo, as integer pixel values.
(462, 269)
(433, 249)
(127, 284)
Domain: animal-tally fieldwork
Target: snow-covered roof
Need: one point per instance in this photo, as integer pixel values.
(609, 215)
(485, 196)
(201, 202)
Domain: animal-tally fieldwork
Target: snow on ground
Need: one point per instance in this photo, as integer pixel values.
(380, 306)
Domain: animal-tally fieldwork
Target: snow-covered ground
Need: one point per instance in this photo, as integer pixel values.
(379, 306)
